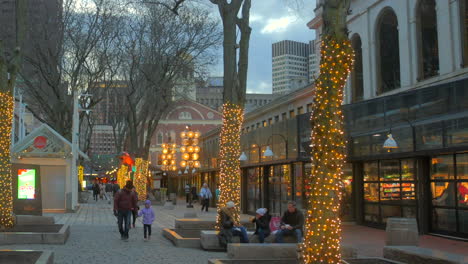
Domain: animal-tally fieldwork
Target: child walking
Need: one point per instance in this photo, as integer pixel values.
(148, 218)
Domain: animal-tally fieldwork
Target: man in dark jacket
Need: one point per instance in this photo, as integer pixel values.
(96, 191)
(291, 223)
(262, 224)
(125, 202)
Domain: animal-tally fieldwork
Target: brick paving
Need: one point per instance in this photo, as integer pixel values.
(95, 239)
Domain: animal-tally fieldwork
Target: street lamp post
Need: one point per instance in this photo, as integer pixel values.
(75, 146)
(169, 161)
(190, 153)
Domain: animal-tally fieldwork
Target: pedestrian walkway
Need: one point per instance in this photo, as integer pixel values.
(94, 238)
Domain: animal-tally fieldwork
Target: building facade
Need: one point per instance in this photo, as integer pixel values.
(211, 95)
(410, 79)
(421, 100)
(184, 113)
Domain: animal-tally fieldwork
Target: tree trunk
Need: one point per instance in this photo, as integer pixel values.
(322, 226)
(8, 73)
(235, 79)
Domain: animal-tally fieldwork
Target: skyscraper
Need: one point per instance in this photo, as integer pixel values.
(290, 66)
(295, 64)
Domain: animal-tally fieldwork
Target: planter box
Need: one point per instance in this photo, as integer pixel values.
(416, 255)
(183, 238)
(35, 234)
(26, 257)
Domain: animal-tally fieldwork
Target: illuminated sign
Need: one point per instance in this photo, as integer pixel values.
(26, 184)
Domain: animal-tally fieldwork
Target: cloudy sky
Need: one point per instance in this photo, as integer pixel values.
(272, 21)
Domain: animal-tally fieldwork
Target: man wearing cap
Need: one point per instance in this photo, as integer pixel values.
(262, 224)
(230, 226)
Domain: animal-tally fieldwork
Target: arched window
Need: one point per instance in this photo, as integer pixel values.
(160, 138)
(185, 116)
(357, 81)
(464, 30)
(388, 51)
(427, 35)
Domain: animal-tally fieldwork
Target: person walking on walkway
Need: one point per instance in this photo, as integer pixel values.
(230, 227)
(96, 191)
(292, 223)
(194, 194)
(205, 196)
(187, 193)
(125, 202)
(102, 191)
(135, 212)
(148, 218)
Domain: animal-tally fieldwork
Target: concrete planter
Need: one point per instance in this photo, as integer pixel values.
(200, 224)
(370, 261)
(416, 255)
(402, 232)
(183, 238)
(26, 257)
(35, 234)
(252, 261)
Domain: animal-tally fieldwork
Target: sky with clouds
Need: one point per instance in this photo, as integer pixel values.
(272, 21)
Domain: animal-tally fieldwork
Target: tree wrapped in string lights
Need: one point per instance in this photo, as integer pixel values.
(322, 226)
(140, 177)
(9, 67)
(235, 83)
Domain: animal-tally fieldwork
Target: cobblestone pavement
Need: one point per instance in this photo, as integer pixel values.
(94, 238)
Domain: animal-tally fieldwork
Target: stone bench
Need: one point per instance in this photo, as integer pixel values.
(34, 220)
(209, 239)
(274, 251)
(416, 255)
(203, 224)
(26, 256)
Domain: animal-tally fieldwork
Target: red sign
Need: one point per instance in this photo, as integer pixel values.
(40, 142)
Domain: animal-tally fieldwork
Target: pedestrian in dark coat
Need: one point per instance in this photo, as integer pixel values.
(96, 191)
(125, 202)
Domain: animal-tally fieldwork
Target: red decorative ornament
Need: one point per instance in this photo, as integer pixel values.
(126, 159)
(40, 142)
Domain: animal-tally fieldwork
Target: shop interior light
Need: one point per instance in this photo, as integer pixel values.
(390, 143)
(243, 157)
(268, 152)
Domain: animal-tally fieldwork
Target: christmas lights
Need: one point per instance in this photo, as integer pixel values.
(122, 175)
(140, 178)
(229, 156)
(322, 226)
(6, 197)
(80, 176)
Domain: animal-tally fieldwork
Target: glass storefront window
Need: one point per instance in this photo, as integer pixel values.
(286, 188)
(442, 168)
(347, 193)
(463, 221)
(457, 132)
(371, 171)
(299, 185)
(407, 170)
(462, 191)
(443, 193)
(444, 219)
(390, 211)
(390, 191)
(429, 136)
(390, 170)
(462, 166)
(253, 189)
(371, 192)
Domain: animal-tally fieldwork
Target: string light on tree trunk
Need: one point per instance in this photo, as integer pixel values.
(140, 178)
(323, 227)
(229, 156)
(6, 197)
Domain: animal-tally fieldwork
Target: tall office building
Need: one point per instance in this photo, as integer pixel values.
(295, 64)
(290, 66)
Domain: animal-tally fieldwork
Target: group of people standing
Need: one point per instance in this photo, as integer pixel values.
(292, 223)
(102, 190)
(125, 206)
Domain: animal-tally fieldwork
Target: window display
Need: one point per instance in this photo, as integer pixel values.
(449, 190)
(391, 184)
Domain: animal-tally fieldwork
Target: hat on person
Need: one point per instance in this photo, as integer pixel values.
(230, 204)
(261, 211)
(148, 202)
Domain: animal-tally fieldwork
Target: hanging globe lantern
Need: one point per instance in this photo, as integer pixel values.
(190, 149)
(195, 156)
(183, 163)
(183, 134)
(186, 156)
(196, 149)
(183, 149)
(196, 134)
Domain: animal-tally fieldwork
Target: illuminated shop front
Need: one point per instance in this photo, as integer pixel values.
(426, 176)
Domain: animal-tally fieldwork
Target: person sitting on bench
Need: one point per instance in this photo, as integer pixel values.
(291, 223)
